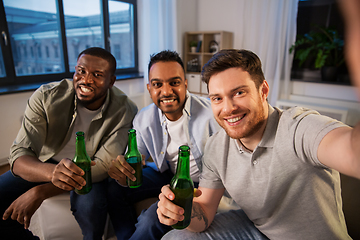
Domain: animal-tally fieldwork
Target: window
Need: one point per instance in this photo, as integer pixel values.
(117, 53)
(47, 51)
(323, 13)
(2, 67)
(56, 31)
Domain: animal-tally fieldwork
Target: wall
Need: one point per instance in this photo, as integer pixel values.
(13, 105)
(12, 108)
(187, 15)
(210, 18)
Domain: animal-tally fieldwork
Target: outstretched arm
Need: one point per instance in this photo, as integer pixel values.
(351, 14)
(339, 150)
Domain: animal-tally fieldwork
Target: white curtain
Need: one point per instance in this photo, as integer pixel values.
(268, 28)
(157, 31)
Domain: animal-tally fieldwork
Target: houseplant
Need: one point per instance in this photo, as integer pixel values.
(193, 45)
(325, 49)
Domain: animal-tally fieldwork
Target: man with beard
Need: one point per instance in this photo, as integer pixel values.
(41, 154)
(176, 118)
(281, 167)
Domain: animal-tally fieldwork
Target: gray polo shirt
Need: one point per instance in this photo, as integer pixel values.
(281, 185)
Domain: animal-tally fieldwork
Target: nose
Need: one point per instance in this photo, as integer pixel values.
(167, 89)
(229, 105)
(88, 78)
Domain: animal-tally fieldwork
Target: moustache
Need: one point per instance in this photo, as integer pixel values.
(167, 97)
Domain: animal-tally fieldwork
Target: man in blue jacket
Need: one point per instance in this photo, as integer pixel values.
(176, 118)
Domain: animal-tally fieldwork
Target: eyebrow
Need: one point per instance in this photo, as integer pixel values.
(97, 71)
(232, 90)
(167, 80)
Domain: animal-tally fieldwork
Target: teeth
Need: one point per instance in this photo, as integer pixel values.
(232, 120)
(168, 101)
(85, 89)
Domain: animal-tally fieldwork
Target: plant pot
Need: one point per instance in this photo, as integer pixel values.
(193, 49)
(329, 73)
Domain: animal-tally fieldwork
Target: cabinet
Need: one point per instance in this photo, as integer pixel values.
(205, 45)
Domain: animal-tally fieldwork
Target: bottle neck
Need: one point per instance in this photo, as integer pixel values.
(132, 142)
(80, 144)
(183, 165)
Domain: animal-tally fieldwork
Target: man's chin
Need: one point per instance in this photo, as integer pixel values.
(85, 101)
(233, 134)
(167, 108)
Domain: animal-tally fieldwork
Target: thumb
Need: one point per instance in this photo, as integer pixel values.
(197, 192)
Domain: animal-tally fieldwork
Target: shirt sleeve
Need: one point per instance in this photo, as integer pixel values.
(309, 130)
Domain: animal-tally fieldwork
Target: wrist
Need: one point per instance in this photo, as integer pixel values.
(47, 190)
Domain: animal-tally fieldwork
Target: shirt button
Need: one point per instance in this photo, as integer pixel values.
(162, 152)
(241, 151)
(165, 133)
(255, 162)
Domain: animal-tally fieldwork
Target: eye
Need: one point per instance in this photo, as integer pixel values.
(175, 83)
(215, 99)
(239, 93)
(80, 70)
(156, 84)
(98, 75)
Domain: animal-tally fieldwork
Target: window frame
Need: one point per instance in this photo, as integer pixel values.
(11, 81)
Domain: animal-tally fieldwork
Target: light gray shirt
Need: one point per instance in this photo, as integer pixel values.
(152, 130)
(281, 185)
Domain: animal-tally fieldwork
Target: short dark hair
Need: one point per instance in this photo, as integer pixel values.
(101, 53)
(165, 56)
(234, 58)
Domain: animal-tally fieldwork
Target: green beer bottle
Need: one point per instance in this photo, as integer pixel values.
(183, 187)
(83, 161)
(133, 157)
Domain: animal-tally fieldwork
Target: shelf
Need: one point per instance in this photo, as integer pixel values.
(207, 41)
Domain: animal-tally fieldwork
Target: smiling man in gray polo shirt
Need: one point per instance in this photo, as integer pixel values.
(281, 167)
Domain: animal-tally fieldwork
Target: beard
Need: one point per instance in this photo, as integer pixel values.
(86, 101)
(253, 123)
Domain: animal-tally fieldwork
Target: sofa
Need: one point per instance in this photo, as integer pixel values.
(54, 220)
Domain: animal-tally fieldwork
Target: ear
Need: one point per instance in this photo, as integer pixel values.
(148, 87)
(264, 90)
(186, 83)
(112, 81)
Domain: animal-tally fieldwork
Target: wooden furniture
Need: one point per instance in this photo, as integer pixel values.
(208, 43)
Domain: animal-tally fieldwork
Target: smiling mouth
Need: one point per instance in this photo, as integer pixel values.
(168, 101)
(235, 119)
(85, 90)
